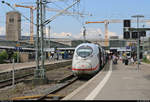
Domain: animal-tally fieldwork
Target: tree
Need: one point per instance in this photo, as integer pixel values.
(14, 56)
(3, 56)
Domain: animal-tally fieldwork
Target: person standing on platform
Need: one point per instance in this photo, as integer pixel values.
(132, 60)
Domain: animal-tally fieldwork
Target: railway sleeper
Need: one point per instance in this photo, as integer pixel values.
(48, 93)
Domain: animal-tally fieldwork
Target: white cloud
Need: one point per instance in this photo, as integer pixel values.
(91, 33)
(2, 31)
(26, 34)
(61, 35)
(25, 29)
(46, 30)
(26, 23)
(111, 34)
(57, 35)
(148, 23)
(121, 36)
(77, 36)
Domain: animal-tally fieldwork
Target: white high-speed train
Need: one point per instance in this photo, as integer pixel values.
(88, 59)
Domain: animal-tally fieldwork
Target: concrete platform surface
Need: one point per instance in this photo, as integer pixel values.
(119, 82)
(8, 67)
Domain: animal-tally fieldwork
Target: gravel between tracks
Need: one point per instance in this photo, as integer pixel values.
(22, 89)
(71, 87)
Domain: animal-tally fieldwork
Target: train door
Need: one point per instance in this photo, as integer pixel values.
(100, 61)
(102, 57)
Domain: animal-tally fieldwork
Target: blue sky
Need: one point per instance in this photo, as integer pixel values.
(72, 25)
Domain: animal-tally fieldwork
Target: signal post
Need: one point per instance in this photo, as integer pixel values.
(134, 33)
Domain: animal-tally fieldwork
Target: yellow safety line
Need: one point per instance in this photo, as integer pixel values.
(35, 96)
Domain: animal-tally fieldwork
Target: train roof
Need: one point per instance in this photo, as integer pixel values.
(88, 44)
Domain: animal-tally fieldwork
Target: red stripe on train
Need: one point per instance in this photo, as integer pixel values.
(85, 69)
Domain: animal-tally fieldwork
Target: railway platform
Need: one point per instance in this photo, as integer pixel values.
(8, 67)
(117, 82)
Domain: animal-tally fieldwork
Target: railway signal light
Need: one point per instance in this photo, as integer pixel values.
(143, 33)
(127, 23)
(126, 35)
(134, 35)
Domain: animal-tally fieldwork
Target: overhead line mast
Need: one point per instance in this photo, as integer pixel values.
(40, 73)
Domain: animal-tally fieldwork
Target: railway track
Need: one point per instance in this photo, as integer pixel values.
(49, 94)
(62, 82)
(59, 87)
(8, 82)
(56, 92)
(58, 77)
(24, 71)
(22, 78)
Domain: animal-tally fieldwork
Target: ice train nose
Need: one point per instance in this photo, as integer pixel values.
(83, 66)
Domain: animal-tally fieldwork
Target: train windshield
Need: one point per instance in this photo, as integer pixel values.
(84, 51)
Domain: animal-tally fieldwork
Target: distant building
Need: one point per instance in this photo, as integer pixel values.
(114, 37)
(2, 37)
(13, 26)
(100, 42)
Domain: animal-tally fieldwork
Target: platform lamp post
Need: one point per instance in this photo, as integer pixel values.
(143, 41)
(84, 34)
(138, 39)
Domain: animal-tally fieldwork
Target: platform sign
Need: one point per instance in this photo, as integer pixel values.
(18, 48)
(127, 47)
(134, 35)
(143, 33)
(17, 45)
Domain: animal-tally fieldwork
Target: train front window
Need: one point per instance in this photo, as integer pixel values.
(84, 51)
